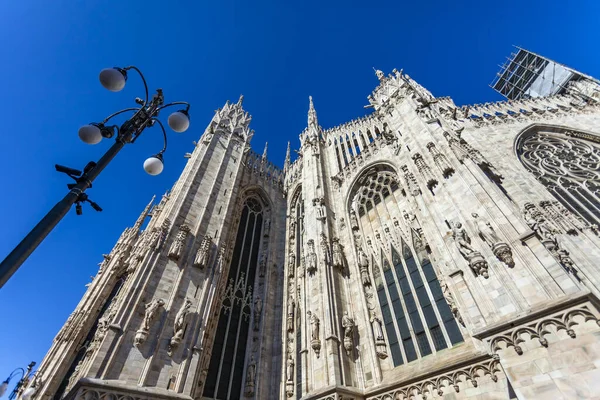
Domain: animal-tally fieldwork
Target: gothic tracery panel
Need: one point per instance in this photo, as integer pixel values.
(567, 163)
(416, 317)
(226, 371)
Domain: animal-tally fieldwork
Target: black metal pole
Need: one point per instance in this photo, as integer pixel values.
(17, 257)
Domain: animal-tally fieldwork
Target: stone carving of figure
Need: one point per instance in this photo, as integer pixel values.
(451, 303)
(179, 243)
(291, 264)
(292, 227)
(379, 338)
(179, 325)
(474, 258)
(290, 368)
(151, 310)
(149, 315)
(338, 258)
(267, 227)
(325, 249)
(311, 257)
(353, 221)
(537, 222)
(462, 240)
(486, 230)
(203, 254)
(363, 265)
(320, 210)
(348, 325)
(262, 265)
(290, 314)
(314, 323)
(258, 305)
(250, 377)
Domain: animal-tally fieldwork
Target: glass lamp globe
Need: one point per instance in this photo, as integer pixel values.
(27, 393)
(90, 134)
(113, 79)
(154, 165)
(179, 121)
(3, 388)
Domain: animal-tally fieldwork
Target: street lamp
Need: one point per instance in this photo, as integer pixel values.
(144, 116)
(25, 374)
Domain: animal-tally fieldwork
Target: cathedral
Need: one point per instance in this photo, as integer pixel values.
(424, 251)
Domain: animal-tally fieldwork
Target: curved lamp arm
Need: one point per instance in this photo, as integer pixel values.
(120, 112)
(185, 103)
(143, 79)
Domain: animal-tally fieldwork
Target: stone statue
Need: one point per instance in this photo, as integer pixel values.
(315, 342)
(290, 368)
(473, 257)
(250, 377)
(499, 248)
(451, 303)
(177, 247)
(486, 230)
(462, 240)
(203, 254)
(178, 326)
(314, 323)
(258, 305)
(291, 264)
(262, 265)
(267, 227)
(290, 314)
(292, 227)
(348, 325)
(337, 255)
(325, 249)
(380, 347)
(363, 265)
(353, 220)
(151, 311)
(536, 221)
(311, 257)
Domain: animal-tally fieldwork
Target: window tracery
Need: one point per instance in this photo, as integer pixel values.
(568, 165)
(226, 371)
(416, 317)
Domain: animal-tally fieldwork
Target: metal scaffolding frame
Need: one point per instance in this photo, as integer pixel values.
(524, 68)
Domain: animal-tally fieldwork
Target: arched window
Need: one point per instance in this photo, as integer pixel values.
(417, 319)
(226, 370)
(567, 163)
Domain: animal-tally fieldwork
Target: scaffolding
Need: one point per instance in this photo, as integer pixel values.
(525, 74)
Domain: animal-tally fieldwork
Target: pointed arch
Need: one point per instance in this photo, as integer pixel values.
(567, 162)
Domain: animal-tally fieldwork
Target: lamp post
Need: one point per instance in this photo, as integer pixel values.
(25, 374)
(144, 116)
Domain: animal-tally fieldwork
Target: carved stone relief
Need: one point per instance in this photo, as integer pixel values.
(315, 342)
(337, 254)
(311, 257)
(149, 315)
(179, 327)
(348, 325)
(179, 244)
(203, 255)
(473, 257)
(500, 248)
(425, 171)
(440, 160)
(380, 346)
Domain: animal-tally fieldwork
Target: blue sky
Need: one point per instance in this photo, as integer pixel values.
(275, 53)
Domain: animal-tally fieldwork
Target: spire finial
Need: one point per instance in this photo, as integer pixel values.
(140, 221)
(312, 114)
(379, 73)
(264, 155)
(287, 163)
(241, 100)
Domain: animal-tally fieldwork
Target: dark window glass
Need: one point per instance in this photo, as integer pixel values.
(409, 349)
(453, 331)
(438, 338)
(430, 316)
(423, 344)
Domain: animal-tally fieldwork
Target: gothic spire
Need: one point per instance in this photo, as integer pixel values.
(287, 163)
(312, 115)
(143, 215)
(264, 155)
